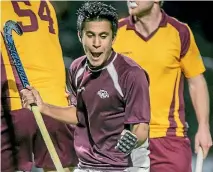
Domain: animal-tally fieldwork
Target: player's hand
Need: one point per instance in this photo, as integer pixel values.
(30, 96)
(127, 142)
(203, 139)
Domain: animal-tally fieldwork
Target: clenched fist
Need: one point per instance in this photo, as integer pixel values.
(30, 96)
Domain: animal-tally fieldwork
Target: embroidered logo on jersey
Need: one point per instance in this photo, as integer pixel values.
(103, 94)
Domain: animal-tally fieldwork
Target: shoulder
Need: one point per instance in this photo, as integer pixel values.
(77, 64)
(184, 33)
(128, 68)
(182, 28)
(125, 63)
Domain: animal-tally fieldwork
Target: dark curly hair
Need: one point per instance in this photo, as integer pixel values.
(96, 11)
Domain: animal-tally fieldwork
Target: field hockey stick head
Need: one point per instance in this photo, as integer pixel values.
(8, 37)
(12, 25)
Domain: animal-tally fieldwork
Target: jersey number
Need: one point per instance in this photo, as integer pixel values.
(33, 19)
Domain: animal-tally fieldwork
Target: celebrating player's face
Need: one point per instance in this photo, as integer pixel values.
(97, 41)
(139, 7)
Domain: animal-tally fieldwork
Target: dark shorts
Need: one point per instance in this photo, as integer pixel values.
(20, 137)
(170, 154)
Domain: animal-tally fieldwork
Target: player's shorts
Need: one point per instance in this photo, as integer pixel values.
(20, 137)
(170, 154)
(139, 157)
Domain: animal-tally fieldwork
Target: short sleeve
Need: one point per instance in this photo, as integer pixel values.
(191, 61)
(136, 97)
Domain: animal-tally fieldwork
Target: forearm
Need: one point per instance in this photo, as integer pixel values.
(142, 132)
(63, 114)
(200, 100)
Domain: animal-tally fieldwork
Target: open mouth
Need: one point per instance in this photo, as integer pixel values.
(96, 54)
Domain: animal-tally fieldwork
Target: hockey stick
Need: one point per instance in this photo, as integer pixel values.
(199, 161)
(8, 27)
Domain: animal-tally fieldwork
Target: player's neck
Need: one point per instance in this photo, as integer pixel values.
(148, 23)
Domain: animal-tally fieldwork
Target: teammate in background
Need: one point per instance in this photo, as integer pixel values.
(41, 55)
(166, 49)
(106, 98)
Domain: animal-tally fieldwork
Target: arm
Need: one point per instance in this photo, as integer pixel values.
(141, 131)
(64, 114)
(200, 99)
(193, 68)
(67, 114)
(139, 102)
(135, 138)
(137, 111)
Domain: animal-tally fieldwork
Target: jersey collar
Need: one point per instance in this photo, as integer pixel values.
(163, 22)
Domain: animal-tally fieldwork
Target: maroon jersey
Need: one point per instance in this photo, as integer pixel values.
(107, 98)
